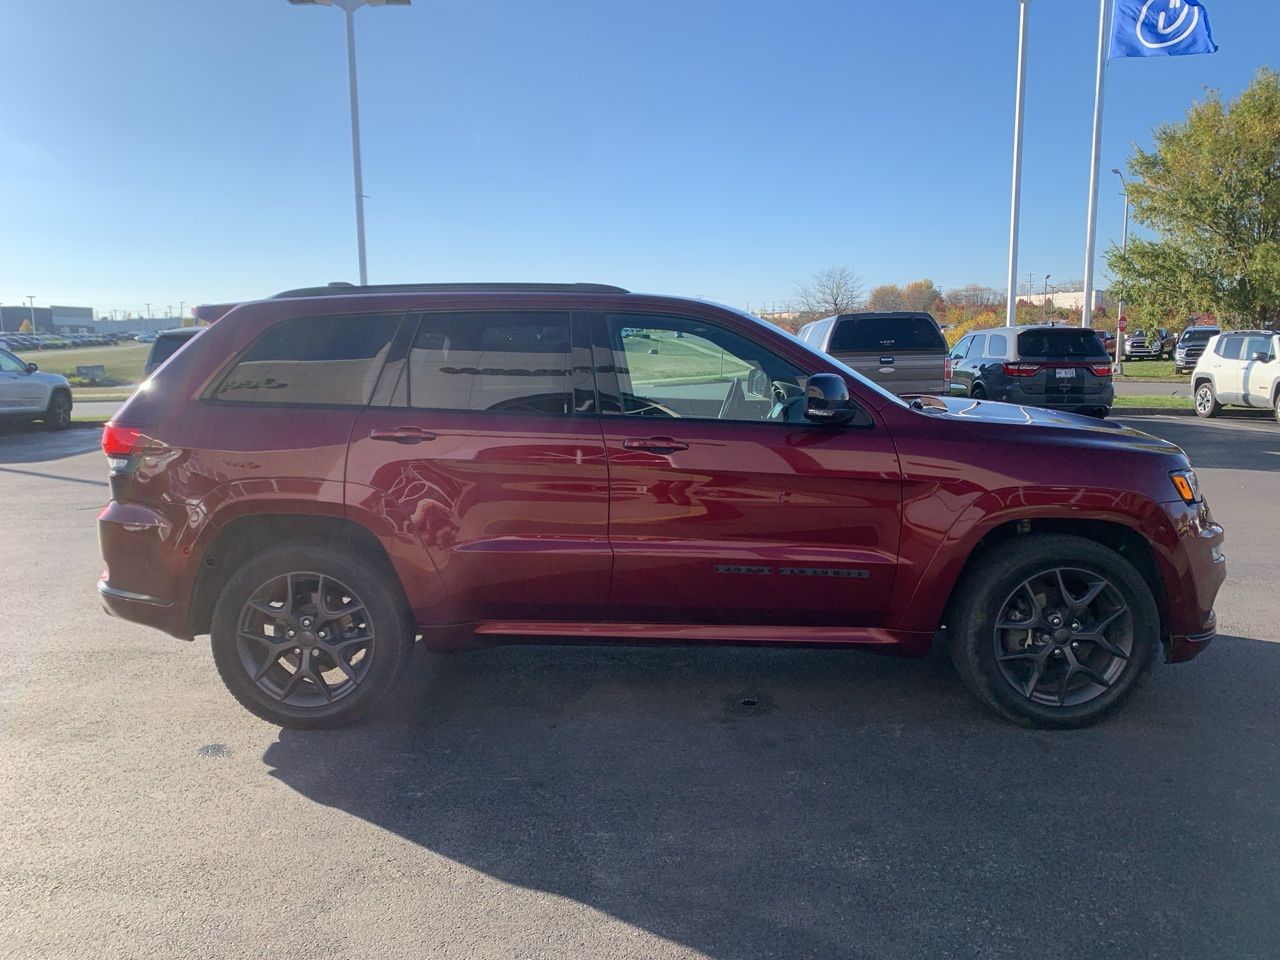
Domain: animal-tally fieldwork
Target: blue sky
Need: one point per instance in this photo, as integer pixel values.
(157, 150)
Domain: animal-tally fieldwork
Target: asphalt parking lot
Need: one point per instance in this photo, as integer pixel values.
(540, 802)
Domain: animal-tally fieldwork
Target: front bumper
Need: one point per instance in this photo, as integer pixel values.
(1193, 575)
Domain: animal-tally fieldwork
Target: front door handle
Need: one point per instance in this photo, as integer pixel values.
(655, 444)
(402, 434)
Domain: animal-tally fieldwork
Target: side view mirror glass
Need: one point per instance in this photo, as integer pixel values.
(1262, 357)
(826, 399)
(32, 367)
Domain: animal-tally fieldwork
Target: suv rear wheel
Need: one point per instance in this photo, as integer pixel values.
(1207, 404)
(57, 416)
(309, 637)
(1053, 630)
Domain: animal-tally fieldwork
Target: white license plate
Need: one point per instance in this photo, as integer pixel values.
(1065, 373)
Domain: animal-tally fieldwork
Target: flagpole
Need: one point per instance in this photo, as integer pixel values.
(1091, 231)
(1016, 199)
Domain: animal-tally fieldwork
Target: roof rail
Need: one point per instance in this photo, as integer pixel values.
(347, 289)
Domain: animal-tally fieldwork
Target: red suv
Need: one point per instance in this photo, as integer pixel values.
(322, 477)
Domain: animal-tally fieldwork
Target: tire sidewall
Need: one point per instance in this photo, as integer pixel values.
(393, 631)
(998, 575)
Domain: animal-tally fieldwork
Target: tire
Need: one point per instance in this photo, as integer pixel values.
(1276, 406)
(57, 416)
(1206, 401)
(978, 392)
(374, 638)
(998, 664)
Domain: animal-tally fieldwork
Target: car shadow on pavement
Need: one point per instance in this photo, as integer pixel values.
(754, 803)
(31, 443)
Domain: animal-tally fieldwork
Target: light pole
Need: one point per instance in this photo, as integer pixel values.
(31, 312)
(349, 7)
(1124, 248)
(1046, 296)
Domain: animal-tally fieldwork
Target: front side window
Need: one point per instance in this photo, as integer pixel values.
(312, 360)
(10, 364)
(1256, 345)
(681, 367)
(961, 349)
(502, 362)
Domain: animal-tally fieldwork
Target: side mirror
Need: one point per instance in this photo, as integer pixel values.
(826, 399)
(1261, 357)
(32, 367)
(758, 384)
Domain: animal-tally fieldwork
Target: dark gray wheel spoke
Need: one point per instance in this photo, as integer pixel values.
(1028, 655)
(340, 662)
(314, 676)
(1036, 674)
(1063, 684)
(1093, 675)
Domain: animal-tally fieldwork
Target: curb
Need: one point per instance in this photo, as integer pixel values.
(1153, 411)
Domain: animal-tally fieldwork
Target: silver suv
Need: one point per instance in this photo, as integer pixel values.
(903, 352)
(1238, 369)
(27, 394)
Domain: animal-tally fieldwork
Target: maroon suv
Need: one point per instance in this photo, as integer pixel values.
(322, 477)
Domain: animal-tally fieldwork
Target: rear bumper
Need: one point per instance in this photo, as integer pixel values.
(146, 573)
(150, 611)
(1100, 398)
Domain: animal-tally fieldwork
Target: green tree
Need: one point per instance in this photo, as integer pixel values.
(1210, 192)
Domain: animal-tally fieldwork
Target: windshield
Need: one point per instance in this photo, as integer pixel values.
(1198, 336)
(166, 346)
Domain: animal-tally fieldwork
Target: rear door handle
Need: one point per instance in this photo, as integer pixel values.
(402, 434)
(655, 444)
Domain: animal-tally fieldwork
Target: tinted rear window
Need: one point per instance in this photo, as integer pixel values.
(1061, 343)
(327, 360)
(878, 334)
(164, 348)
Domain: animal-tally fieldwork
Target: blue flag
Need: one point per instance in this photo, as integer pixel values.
(1160, 28)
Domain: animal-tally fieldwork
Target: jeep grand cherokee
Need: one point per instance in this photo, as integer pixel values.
(322, 477)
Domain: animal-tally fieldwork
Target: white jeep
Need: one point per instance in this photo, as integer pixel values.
(1240, 368)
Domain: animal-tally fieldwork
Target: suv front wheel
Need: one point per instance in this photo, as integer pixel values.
(309, 637)
(1053, 630)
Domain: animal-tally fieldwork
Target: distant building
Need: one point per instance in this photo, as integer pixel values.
(12, 317)
(1070, 299)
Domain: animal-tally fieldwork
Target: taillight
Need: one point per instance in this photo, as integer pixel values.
(1100, 369)
(122, 445)
(946, 369)
(121, 441)
(1022, 369)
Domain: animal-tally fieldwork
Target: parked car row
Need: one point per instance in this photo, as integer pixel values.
(1149, 344)
(58, 341)
(1043, 365)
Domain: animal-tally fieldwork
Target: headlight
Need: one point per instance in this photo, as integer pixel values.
(1188, 487)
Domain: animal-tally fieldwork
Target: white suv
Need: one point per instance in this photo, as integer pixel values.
(26, 394)
(1241, 368)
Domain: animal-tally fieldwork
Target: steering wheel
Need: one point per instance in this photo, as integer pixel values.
(644, 407)
(735, 396)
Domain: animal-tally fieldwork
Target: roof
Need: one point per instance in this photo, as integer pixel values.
(351, 290)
